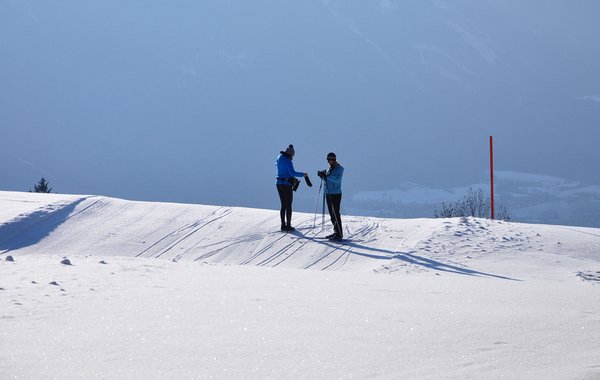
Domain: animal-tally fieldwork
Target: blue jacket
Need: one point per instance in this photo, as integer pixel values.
(333, 181)
(285, 170)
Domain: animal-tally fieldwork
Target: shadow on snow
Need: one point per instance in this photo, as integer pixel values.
(407, 257)
(34, 227)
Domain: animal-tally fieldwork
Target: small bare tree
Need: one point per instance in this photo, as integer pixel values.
(475, 203)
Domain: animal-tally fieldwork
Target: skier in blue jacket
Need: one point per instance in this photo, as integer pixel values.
(285, 179)
(333, 194)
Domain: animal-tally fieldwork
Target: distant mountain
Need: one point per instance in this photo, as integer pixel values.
(528, 197)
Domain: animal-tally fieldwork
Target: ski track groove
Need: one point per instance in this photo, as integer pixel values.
(102, 205)
(362, 232)
(346, 254)
(159, 228)
(226, 212)
(271, 245)
(173, 233)
(86, 208)
(231, 242)
(177, 232)
(262, 250)
(284, 250)
(304, 241)
(211, 253)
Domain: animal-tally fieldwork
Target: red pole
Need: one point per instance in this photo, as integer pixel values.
(492, 175)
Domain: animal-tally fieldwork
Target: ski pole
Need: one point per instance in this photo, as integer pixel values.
(317, 205)
(323, 212)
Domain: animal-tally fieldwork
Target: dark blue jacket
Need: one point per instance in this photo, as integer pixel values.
(333, 181)
(285, 170)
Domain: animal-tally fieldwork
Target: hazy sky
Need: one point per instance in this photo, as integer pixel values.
(190, 101)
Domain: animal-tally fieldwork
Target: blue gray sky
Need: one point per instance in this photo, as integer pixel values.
(190, 101)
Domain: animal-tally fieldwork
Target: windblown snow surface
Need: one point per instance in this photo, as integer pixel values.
(157, 290)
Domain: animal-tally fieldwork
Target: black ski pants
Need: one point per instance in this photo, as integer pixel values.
(334, 202)
(286, 196)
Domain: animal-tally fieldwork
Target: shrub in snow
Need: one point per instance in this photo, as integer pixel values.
(475, 203)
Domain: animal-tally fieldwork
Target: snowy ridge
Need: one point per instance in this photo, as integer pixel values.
(71, 225)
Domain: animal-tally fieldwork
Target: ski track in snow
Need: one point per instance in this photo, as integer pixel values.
(187, 231)
(344, 249)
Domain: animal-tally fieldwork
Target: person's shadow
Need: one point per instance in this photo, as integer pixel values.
(408, 257)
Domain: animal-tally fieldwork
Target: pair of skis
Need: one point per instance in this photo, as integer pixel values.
(328, 238)
(333, 240)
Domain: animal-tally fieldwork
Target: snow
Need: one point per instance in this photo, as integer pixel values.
(159, 290)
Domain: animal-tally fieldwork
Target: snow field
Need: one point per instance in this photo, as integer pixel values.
(160, 291)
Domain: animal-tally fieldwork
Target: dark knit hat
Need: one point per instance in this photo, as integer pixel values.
(290, 152)
(331, 156)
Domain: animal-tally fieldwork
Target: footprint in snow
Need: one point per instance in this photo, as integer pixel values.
(589, 276)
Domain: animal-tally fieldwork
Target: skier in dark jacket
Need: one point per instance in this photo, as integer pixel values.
(333, 194)
(285, 179)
